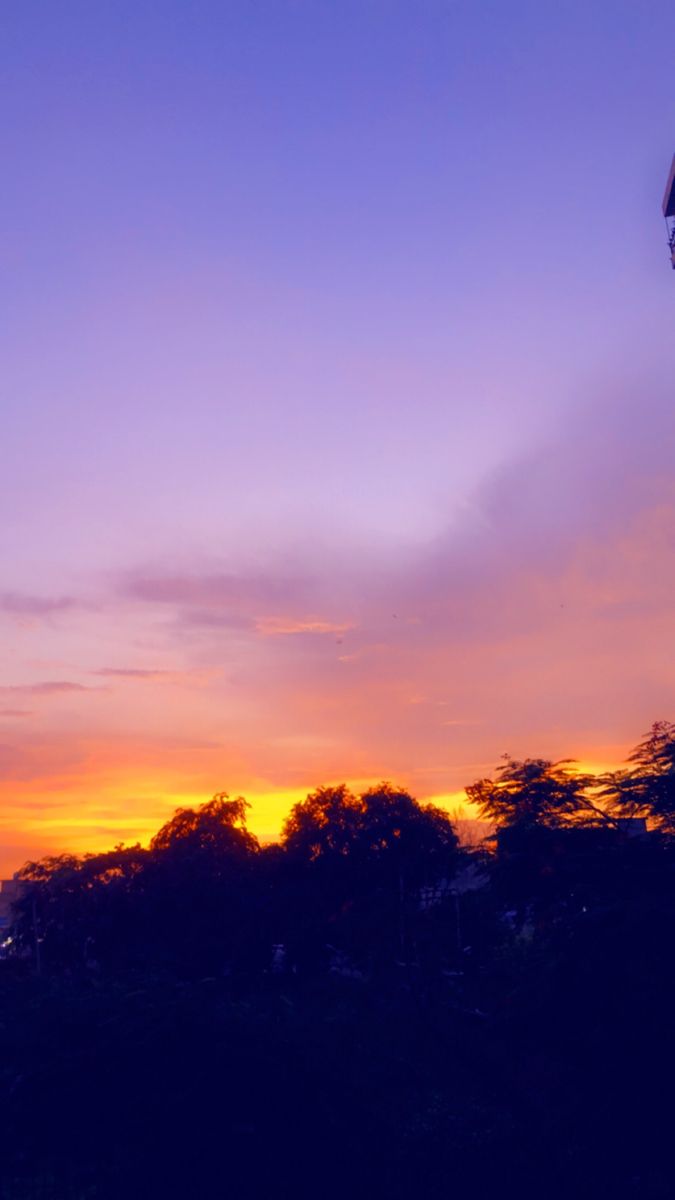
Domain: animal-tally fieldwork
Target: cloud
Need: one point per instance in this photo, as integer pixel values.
(52, 686)
(49, 687)
(133, 673)
(25, 605)
(542, 615)
(283, 626)
(192, 677)
(269, 603)
(534, 609)
(216, 591)
(211, 618)
(15, 712)
(539, 621)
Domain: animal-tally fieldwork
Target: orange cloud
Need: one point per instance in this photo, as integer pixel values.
(274, 626)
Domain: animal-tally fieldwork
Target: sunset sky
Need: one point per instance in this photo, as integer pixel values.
(338, 399)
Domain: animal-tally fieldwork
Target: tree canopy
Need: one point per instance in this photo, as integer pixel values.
(382, 826)
(217, 827)
(646, 787)
(534, 792)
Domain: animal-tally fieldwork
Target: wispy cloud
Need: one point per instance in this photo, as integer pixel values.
(273, 603)
(22, 604)
(216, 591)
(133, 673)
(48, 687)
(186, 677)
(280, 626)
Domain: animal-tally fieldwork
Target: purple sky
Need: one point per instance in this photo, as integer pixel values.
(338, 418)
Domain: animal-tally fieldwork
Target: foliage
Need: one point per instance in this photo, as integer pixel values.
(359, 863)
(383, 827)
(217, 828)
(535, 792)
(646, 788)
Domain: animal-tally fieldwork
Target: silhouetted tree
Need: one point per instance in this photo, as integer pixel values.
(325, 824)
(646, 788)
(535, 792)
(201, 901)
(188, 903)
(217, 828)
(74, 910)
(359, 864)
(550, 832)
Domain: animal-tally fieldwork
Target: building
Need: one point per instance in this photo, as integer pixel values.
(669, 211)
(10, 891)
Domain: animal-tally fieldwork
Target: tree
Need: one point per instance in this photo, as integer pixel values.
(358, 863)
(187, 903)
(646, 788)
(397, 833)
(383, 829)
(217, 828)
(200, 903)
(325, 824)
(535, 793)
(76, 909)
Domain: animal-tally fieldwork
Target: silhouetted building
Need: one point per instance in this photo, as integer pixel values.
(669, 211)
(542, 843)
(10, 892)
(633, 827)
(470, 879)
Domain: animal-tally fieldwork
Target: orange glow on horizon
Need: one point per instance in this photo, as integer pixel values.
(96, 812)
(101, 805)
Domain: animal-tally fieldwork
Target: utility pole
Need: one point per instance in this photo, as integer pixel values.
(36, 939)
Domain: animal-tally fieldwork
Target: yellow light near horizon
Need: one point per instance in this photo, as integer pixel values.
(584, 767)
(107, 804)
(454, 803)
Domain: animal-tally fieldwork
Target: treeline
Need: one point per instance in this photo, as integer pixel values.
(366, 1008)
(357, 882)
(206, 898)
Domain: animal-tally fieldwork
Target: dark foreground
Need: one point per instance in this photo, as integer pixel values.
(147, 1087)
(439, 1024)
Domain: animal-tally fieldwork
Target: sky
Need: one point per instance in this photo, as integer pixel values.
(337, 421)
